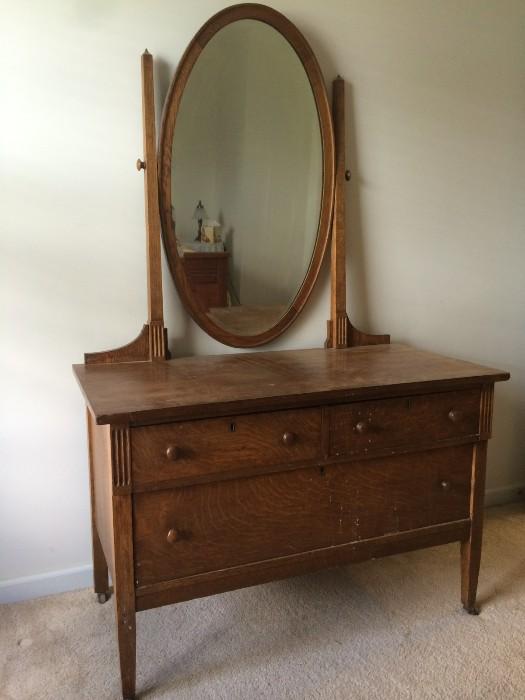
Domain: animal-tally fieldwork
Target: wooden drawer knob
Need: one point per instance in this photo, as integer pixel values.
(288, 438)
(454, 415)
(173, 453)
(173, 536)
(445, 485)
(361, 427)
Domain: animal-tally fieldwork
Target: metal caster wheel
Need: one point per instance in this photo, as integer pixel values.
(473, 610)
(102, 597)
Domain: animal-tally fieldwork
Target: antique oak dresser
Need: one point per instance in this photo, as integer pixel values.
(214, 473)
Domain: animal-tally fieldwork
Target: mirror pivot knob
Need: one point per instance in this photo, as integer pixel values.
(445, 485)
(141, 165)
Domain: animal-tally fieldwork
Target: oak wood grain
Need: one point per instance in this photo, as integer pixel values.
(206, 447)
(151, 189)
(340, 332)
(198, 387)
(207, 276)
(124, 587)
(177, 590)
(224, 524)
(135, 351)
(366, 426)
(471, 547)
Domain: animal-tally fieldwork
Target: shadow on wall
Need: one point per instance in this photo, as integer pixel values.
(357, 288)
(163, 75)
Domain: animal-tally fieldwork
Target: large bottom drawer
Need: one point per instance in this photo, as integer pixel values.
(213, 526)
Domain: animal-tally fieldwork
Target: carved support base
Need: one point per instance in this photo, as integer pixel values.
(342, 334)
(150, 344)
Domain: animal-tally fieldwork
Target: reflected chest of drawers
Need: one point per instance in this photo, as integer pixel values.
(209, 474)
(207, 275)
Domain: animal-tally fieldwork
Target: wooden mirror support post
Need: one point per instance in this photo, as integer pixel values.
(341, 333)
(152, 342)
(111, 499)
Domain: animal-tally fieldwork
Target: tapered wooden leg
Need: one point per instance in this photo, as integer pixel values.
(124, 588)
(100, 567)
(471, 549)
(126, 632)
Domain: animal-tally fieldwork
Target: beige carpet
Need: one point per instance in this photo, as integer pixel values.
(390, 628)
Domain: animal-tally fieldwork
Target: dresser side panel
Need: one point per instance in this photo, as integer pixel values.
(99, 436)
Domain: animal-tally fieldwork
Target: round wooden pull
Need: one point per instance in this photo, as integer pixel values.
(288, 438)
(445, 485)
(454, 415)
(361, 427)
(173, 536)
(172, 453)
(141, 165)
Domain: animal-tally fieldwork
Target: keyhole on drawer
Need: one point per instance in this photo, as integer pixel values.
(321, 471)
(233, 427)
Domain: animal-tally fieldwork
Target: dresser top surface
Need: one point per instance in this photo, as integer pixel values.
(195, 387)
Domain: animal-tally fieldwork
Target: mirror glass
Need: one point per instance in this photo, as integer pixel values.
(246, 177)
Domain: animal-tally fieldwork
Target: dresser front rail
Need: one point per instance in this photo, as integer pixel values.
(210, 583)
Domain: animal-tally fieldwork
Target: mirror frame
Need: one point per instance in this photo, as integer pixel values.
(307, 57)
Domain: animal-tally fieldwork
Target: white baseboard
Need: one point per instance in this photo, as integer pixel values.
(17, 589)
(507, 494)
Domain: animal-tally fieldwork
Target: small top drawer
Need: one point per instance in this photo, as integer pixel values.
(196, 448)
(372, 426)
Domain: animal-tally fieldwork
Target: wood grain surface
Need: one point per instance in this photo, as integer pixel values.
(340, 332)
(228, 523)
(177, 590)
(190, 448)
(207, 276)
(368, 425)
(197, 387)
(471, 547)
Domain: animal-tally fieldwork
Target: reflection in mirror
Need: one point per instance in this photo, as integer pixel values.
(247, 177)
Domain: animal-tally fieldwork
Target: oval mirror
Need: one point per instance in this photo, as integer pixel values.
(246, 175)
